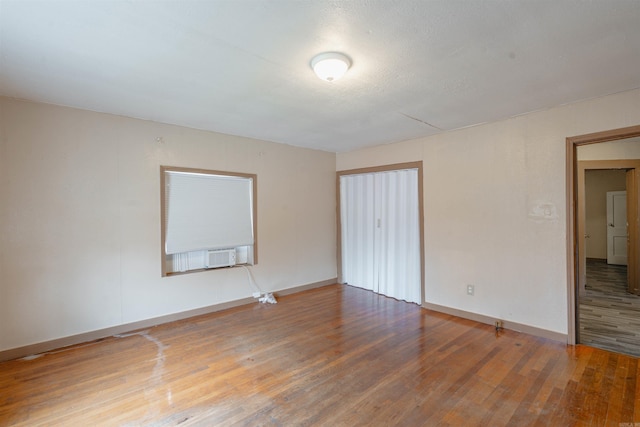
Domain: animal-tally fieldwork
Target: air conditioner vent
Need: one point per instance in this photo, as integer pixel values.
(221, 258)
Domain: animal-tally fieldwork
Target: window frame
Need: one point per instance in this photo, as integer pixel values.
(163, 200)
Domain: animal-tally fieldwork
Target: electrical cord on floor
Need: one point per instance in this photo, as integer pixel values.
(266, 297)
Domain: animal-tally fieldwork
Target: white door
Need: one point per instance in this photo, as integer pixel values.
(380, 233)
(358, 223)
(617, 227)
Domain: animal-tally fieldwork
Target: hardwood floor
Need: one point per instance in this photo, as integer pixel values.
(332, 356)
(609, 315)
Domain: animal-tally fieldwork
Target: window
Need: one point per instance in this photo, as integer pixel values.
(206, 215)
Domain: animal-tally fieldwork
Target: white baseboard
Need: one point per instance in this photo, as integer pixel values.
(45, 346)
(513, 326)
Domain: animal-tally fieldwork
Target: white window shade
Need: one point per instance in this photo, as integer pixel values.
(206, 211)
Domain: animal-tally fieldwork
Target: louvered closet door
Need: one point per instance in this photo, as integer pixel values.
(380, 233)
(399, 235)
(358, 228)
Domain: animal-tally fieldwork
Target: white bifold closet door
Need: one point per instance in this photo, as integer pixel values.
(381, 233)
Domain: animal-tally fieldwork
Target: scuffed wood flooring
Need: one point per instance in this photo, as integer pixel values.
(333, 356)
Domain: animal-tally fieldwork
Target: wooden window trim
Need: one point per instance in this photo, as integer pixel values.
(164, 169)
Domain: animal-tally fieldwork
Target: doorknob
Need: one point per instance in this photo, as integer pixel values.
(610, 225)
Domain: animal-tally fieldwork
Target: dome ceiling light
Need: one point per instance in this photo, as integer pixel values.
(330, 66)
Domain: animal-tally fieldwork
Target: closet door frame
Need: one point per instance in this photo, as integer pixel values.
(384, 168)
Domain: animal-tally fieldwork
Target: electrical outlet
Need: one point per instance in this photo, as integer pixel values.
(470, 289)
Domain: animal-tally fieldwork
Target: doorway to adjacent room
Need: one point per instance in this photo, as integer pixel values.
(602, 310)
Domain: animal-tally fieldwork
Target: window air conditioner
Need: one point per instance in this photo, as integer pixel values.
(221, 258)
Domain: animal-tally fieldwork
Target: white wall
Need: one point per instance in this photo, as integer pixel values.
(80, 220)
(612, 150)
(495, 208)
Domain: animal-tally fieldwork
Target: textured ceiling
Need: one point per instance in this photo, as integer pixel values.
(241, 67)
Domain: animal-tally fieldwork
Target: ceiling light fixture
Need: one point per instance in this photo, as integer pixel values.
(330, 66)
